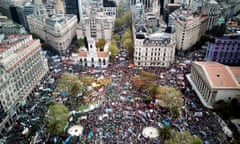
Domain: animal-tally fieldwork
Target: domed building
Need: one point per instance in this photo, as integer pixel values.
(56, 29)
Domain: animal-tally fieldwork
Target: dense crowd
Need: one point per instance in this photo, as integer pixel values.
(122, 114)
(125, 114)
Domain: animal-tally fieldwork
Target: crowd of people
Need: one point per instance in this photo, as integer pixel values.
(122, 114)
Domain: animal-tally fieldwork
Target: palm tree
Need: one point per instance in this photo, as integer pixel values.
(165, 132)
(58, 115)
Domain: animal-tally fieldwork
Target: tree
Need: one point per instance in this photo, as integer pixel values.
(223, 108)
(165, 132)
(58, 116)
(120, 11)
(128, 44)
(145, 80)
(147, 75)
(175, 111)
(87, 80)
(113, 49)
(81, 42)
(100, 44)
(153, 89)
(66, 82)
(183, 138)
(75, 89)
(127, 18)
(170, 96)
(116, 37)
(127, 35)
(118, 22)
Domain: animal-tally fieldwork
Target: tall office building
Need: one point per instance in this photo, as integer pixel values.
(28, 9)
(72, 7)
(19, 13)
(22, 66)
(212, 10)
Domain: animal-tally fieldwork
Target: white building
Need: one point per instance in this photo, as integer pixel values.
(110, 8)
(189, 25)
(151, 47)
(96, 25)
(155, 50)
(91, 57)
(57, 30)
(22, 66)
(214, 82)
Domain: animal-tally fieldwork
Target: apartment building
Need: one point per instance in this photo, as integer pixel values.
(189, 25)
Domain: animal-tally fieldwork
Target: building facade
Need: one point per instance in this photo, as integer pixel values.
(229, 8)
(56, 30)
(72, 7)
(155, 50)
(224, 50)
(96, 25)
(152, 47)
(212, 10)
(110, 8)
(91, 57)
(215, 82)
(22, 66)
(27, 10)
(189, 25)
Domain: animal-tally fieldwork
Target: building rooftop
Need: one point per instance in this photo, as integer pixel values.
(12, 46)
(99, 54)
(236, 73)
(188, 16)
(102, 54)
(82, 53)
(217, 75)
(163, 38)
